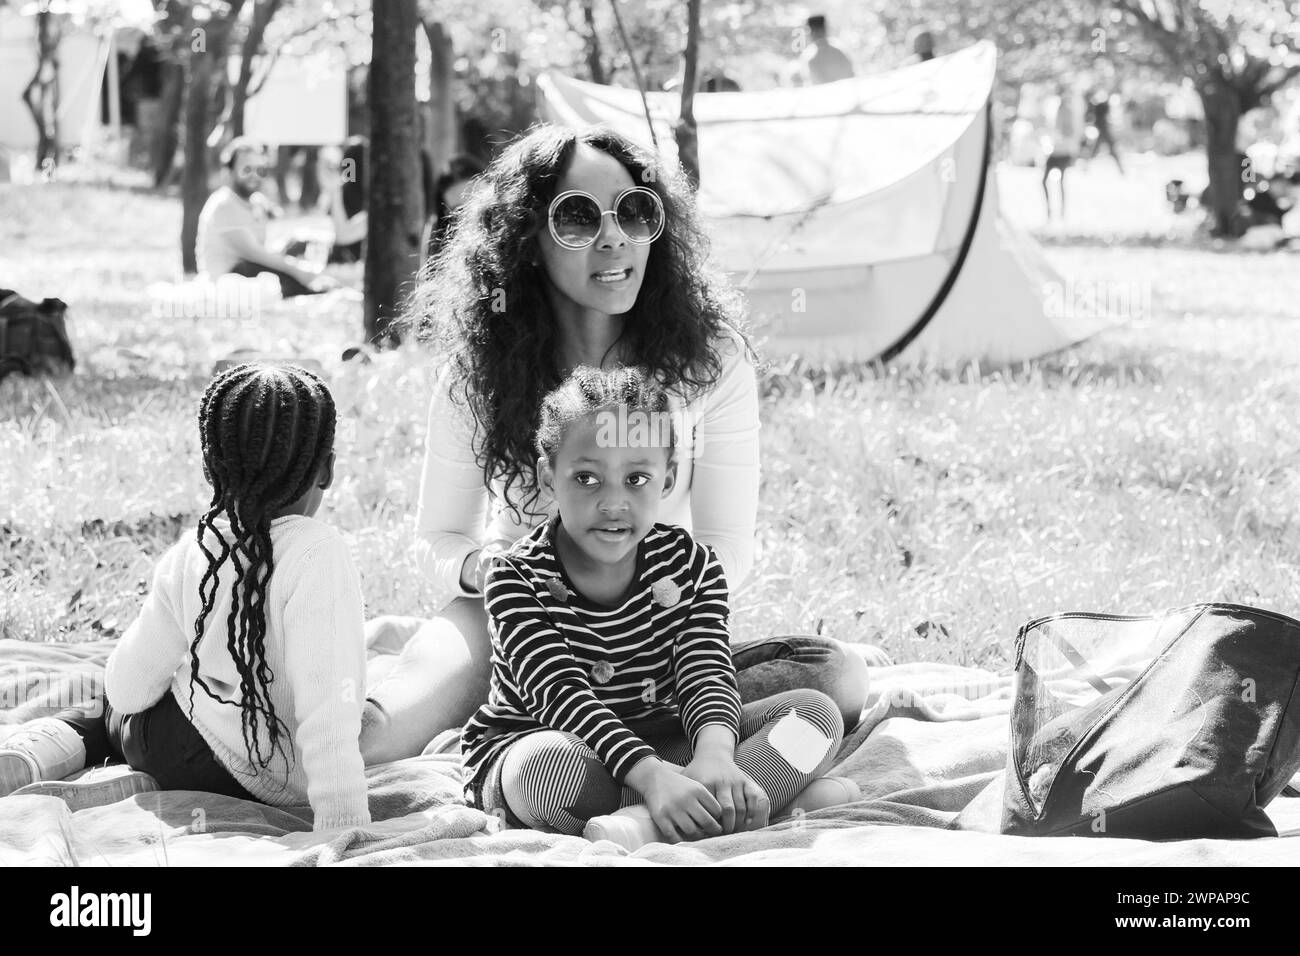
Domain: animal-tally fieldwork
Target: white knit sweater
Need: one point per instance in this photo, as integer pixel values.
(315, 648)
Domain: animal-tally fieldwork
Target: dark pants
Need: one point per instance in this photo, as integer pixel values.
(337, 255)
(1104, 138)
(773, 665)
(289, 286)
(159, 741)
(1061, 161)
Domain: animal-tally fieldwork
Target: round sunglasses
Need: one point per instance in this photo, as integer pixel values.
(576, 217)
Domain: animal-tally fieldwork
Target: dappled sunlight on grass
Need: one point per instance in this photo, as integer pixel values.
(931, 510)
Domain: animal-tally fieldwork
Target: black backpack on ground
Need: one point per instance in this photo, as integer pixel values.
(33, 336)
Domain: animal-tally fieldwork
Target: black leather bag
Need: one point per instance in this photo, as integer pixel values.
(33, 336)
(1178, 725)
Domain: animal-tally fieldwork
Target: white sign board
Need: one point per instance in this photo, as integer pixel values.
(304, 102)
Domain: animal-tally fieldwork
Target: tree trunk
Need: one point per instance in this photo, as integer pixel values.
(42, 94)
(688, 146)
(240, 93)
(309, 179)
(262, 14)
(173, 99)
(595, 68)
(280, 173)
(521, 101)
(1222, 106)
(358, 108)
(223, 99)
(441, 132)
(393, 236)
(206, 67)
(194, 177)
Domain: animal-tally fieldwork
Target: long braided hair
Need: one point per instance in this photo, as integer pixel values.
(265, 430)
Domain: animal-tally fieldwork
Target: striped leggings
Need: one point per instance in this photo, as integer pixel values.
(551, 780)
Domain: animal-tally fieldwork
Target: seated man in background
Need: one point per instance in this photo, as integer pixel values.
(232, 226)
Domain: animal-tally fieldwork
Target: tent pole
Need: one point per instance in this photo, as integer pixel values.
(636, 72)
(114, 95)
(908, 337)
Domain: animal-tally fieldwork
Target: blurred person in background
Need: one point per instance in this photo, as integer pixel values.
(344, 189)
(232, 226)
(448, 195)
(921, 43)
(821, 60)
(1099, 130)
(1061, 140)
(347, 191)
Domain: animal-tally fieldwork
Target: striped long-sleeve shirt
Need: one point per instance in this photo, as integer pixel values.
(659, 659)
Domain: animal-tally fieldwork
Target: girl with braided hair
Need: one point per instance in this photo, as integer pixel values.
(244, 672)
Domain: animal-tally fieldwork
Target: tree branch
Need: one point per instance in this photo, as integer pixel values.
(263, 12)
(1289, 73)
(1152, 25)
(1211, 40)
(274, 56)
(594, 65)
(636, 72)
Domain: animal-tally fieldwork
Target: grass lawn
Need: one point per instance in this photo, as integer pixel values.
(933, 512)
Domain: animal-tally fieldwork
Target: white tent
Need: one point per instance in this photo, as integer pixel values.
(861, 216)
(303, 101)
(82, 57)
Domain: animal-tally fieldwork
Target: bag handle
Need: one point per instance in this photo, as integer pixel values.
(1071, 654)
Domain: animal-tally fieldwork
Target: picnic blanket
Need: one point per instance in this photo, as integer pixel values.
(927, 755)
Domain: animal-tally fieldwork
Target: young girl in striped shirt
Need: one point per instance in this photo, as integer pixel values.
(612, 680)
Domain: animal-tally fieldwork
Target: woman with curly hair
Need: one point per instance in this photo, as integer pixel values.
(574, 248)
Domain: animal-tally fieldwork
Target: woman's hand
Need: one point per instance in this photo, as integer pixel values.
(743, 802)
(474, 571)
